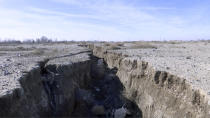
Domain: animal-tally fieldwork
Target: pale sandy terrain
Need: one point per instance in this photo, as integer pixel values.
(162, 78)
(189, 60)
(16, 60)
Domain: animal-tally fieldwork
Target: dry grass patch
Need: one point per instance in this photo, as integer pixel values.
(1, 54)
(39, 51)
(15, 49)
(52, 52)
(114, 46)
(142, 45)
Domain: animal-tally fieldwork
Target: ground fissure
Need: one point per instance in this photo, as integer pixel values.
(97, 94)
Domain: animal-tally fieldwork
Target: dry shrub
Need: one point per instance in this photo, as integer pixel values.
(39, 51)
(113, 46)
(174, 42)
(15, 49)
(120, 44)
(2, 54)
(7, 49)
(83, 44)
(23, 49)
(107, 44)
(142, 45)
(52, 52)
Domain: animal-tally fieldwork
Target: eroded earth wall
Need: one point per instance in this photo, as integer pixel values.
(158, 94)
(32, 99)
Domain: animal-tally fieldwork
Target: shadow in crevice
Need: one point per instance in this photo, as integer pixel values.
(106, 91)
(102, 96)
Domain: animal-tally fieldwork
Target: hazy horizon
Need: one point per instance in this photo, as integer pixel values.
(105, 20)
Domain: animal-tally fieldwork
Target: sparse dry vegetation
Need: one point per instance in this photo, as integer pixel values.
(142, 45)
(114, 46)
(134, 45)
(39, 51)
(15, 49)
(2, 54)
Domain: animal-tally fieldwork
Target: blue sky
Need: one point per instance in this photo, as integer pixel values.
(109, 20)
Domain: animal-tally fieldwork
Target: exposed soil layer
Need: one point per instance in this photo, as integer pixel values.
(158, 93)
(148, 80)
(104, 95)
(83, 89)
(46, 91)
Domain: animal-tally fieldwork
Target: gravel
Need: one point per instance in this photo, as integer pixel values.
(189, 60)
(14, 64)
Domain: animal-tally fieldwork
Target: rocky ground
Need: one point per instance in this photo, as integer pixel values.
(57, 81)
(165, 79)
(18, 59)
(135, 68)
(188, 60)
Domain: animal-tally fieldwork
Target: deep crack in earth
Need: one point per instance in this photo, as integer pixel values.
(102, 96)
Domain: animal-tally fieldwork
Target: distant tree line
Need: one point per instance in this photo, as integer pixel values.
(43, 39)
(9, 41)
(40, 40)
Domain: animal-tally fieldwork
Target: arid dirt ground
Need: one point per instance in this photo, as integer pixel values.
(160, 62)
(17, 59)
(189, 60)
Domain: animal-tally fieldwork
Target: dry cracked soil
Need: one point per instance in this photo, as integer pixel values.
(105, 79)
